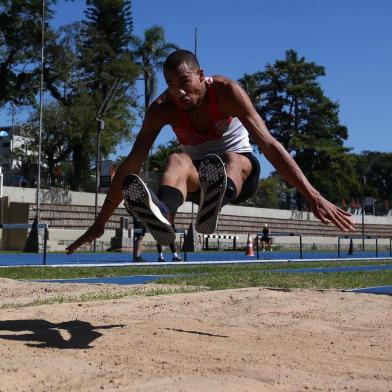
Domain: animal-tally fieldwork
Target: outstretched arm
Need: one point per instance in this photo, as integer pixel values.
(239, 104)
(131, 164)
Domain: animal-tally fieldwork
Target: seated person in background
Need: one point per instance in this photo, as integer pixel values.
(266, 239)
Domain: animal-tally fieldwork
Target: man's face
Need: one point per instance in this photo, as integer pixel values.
(186, 85)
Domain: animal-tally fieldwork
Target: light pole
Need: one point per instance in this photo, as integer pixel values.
(101, 126)
(40, 110)
(363, 183)
(11, 135)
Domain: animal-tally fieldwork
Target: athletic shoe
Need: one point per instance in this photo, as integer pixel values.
(143, 204)
(161, 259)
(213, 182)
(139, 259)
(178, 258)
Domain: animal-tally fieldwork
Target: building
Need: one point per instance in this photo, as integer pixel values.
(10, 141)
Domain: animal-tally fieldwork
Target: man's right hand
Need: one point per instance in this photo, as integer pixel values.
(89, 236)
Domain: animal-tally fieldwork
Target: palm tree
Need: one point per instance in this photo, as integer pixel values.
(159, 158)
(150, 54)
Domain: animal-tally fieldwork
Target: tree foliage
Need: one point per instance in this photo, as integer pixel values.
(150, 53)
(375, 170)
(289, 97)
(83, 62)
(272, 192)
(20, 43)
(157, 161)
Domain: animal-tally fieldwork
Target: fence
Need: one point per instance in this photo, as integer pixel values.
(218, 237)
(260, 235)
(352, 237)
(26, 226)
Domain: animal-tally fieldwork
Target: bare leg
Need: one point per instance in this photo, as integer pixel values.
(181, 173)
(238, 168)
(138, 245)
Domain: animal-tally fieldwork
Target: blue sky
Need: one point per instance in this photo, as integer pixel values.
(350, 38)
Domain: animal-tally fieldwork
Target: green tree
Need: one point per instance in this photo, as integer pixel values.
(63, 70)
(268, 194)
(54, 143)
(20, 44)
(289, 98)
(54, 139)
(150, 53)
(106, 40)
(374, 170)
(84, 60)
(159, 157)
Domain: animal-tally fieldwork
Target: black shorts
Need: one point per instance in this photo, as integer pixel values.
(138, 225)
(248, 189)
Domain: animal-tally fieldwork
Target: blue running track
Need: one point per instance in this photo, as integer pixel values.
(24, 259)
(115, 259)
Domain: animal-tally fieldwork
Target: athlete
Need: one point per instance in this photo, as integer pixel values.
(212, 118)
(266, 238)
(138, 241)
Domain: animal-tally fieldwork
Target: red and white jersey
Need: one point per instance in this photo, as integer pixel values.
(225, 133)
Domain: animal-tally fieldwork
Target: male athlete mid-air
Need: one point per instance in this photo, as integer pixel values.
(212, 118)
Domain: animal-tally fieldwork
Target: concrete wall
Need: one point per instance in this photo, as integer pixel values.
(13, 212)
(59, 196)
(70, 213)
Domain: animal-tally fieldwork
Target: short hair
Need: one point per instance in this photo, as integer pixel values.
(181, 56)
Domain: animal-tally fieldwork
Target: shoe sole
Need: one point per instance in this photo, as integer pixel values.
(213, 182)
(139, 203)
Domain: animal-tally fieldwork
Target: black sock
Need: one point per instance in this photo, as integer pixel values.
(231, 192)
(172, 247)
(171, 196)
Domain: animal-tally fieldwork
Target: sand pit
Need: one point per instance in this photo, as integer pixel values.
(234, 340)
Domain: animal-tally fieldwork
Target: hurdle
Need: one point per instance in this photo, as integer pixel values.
(364, 237)
(218, 237)
(299, 235)
(24, 226)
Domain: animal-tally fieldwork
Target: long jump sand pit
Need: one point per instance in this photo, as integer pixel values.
(234, 340)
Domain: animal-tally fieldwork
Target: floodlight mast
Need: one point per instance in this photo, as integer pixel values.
(363, 183)
(101, 126)
(38, 207)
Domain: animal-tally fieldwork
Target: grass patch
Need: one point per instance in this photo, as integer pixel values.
(330, 280)
(31, 273)
(219, 277)
(102, 296)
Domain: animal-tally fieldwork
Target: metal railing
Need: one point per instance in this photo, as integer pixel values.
(259, 235)
(363, 237)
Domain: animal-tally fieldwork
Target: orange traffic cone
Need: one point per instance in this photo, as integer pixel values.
(249, 247)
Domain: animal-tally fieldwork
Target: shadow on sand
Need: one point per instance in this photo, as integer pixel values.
(44, 334)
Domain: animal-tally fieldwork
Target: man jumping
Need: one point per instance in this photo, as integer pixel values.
(211, 117)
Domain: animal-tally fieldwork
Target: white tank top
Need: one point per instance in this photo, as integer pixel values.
(234, 139)
(225, 134)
